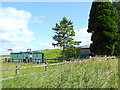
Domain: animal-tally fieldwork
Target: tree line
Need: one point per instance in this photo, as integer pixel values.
(104, 25)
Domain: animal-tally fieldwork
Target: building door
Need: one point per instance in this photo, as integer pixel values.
(27, 60)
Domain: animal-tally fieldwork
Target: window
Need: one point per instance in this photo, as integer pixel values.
(36, 55)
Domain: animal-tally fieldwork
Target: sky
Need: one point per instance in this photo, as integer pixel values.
(29, 24)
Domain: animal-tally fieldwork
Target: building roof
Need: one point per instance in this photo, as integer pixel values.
(84, 46)
(25, 52)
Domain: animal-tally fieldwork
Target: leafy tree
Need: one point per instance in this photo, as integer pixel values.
(103, 26)
(116, 5)
(63, 35)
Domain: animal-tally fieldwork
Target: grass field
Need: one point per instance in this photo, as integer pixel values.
(57, 53)
(98, 73)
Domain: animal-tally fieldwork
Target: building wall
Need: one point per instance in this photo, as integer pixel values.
(84, 51)
(24, 56)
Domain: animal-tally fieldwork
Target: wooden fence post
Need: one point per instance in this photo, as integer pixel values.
(8, 60)
(56, 60)
(17, 70)
(5, 59)
(45, 60)
(46, 67)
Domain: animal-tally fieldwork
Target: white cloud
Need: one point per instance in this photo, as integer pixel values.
(37, 20)
(14, 28)
(13, 19)
(43, 16)
(83, 35)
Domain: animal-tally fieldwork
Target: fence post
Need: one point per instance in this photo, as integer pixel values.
(45, 60)
(8, 60)
(5, 59)
(46, 67)
(17, 70)
(56, 60)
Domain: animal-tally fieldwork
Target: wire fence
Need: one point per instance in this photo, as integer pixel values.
(31, 60)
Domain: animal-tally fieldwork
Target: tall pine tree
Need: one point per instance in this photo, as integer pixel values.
(116, 5)
(64, 34)
(103, 26)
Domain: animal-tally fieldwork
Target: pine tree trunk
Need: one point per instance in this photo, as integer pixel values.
(63, 52)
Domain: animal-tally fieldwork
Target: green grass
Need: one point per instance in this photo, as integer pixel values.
(52, 53)
(7, 74)
(98, 73)
(57, 53)
(3, 57)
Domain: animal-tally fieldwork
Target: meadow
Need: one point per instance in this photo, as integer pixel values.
(96, 73)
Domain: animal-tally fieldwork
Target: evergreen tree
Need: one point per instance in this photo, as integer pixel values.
(63, 35)
(103, 26)
(116, 5)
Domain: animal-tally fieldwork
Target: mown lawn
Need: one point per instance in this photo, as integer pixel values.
(98, 73)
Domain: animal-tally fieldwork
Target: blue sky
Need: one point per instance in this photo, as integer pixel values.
(29, 24)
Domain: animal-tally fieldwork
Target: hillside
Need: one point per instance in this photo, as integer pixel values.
(52, 53)
(95, 73)
(4, 56)
(57, 53)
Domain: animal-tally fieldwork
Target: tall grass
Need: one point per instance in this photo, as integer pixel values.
(7, 74)
(98, 73)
